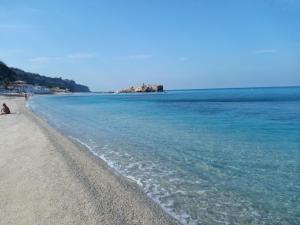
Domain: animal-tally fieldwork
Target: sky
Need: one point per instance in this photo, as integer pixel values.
(113, 44)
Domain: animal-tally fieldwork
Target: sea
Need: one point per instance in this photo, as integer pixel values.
(214, 156)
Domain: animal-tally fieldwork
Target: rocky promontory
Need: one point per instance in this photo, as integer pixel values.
(143, 88)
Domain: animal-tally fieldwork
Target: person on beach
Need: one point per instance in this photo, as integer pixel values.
(5, 109)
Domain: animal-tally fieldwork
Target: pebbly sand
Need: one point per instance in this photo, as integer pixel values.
(45, 178)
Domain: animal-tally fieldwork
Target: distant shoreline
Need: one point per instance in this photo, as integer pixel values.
(191, 89)
(228, 88)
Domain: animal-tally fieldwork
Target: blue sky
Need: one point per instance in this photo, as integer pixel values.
(110, 44)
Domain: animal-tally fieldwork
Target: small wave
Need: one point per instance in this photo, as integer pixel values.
(152, 190)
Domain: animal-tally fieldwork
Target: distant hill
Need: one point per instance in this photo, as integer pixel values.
(8, 75)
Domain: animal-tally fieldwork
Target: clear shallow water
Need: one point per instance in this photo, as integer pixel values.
(227, 156)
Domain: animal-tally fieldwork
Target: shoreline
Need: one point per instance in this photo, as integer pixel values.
(64, 182)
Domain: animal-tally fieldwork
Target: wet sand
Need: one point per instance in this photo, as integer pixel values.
(45, 178)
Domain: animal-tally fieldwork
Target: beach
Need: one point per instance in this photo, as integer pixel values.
(45, 178)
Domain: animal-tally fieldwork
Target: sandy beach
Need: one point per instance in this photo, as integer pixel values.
(45, 178)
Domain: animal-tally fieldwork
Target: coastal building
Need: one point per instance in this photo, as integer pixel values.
(40, 90)
(57, 90)
(22, 87)
(2, 90)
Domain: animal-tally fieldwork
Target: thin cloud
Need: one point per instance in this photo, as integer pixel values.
(265, 51)
(183, 59)
(10, 52)
(15, 26)
(43, 59)
(74, 56)
(81, 55)
(282, 4)
(31, 9)
(140, 56)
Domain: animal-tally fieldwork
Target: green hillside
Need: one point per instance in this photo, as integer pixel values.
(8, 75)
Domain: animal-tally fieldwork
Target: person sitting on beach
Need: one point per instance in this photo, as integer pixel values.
(5, 109)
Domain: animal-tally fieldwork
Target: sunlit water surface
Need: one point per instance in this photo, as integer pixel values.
(227, 156)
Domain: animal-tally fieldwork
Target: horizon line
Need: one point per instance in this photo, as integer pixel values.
(190, 89)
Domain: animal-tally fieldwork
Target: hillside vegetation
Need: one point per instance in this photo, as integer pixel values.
(8, 75)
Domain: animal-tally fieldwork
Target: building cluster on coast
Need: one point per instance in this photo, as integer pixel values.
(20, 87)
(14, 81)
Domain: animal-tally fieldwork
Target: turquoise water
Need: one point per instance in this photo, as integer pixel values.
(224, 156)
